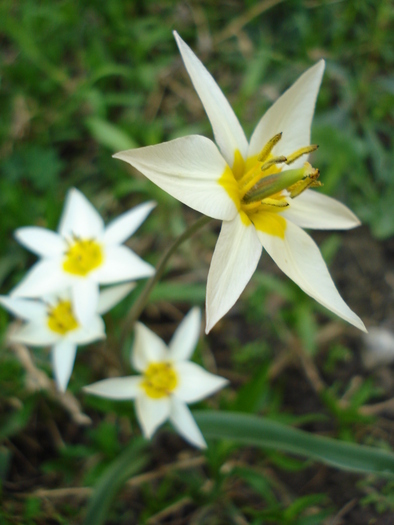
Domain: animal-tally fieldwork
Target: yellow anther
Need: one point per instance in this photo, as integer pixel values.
(160, 379)
(302, 151)
(60, 318)
(264, 153)
(83, 256)
(271, 162)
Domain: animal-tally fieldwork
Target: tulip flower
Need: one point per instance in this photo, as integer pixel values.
(82, 255)
(52, 322)
(260, 190)
(168, 380)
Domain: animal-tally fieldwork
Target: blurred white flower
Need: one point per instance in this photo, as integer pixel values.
(168, 382)
(51, 321)
(82, 255)
(258, 189)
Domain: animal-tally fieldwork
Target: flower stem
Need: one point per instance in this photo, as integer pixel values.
(137, 308)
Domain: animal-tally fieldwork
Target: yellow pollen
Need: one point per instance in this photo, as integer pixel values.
(160, 379)
(61, 319)
(257, 185)
(83, 256)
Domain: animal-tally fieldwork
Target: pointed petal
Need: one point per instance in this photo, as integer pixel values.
(151, 413)
(41, 241)
(228, 132)
(80, 217)
(185, 338)
(116, 387)
(85, 334)
(120, 229)
(234, 261)
(300, 259)
(85, 294)
(63, 357)
(320, 212)
(195, 383)
(188, 169)
(35, 333)
(111, 296)
(291, 114)
(183, 421)
(24, 308)
(44, 278)
(121, 264)
(148, 348)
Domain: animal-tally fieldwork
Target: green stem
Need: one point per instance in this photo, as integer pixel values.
(142, 300)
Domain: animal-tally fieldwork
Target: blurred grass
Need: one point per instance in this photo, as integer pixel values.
(81, 80)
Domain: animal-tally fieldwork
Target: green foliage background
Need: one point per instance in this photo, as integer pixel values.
(81, 80)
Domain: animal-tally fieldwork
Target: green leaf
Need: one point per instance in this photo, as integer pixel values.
(258, 431)
(126, 465)
(109, 135)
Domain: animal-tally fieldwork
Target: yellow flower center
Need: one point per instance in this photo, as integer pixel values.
(61, 319)
(160, 379)
(256, 186)
(83, 256)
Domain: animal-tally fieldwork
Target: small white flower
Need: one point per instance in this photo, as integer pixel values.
(259, 189)
(52, 322)
(83, 254)
(168, 382)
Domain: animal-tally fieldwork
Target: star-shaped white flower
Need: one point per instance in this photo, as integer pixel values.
(258, 189)
(83, 254)
(168, 382)
(52, 322)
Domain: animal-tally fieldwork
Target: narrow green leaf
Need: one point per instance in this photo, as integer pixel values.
(126, 465)
(258, 431)
(109, 135)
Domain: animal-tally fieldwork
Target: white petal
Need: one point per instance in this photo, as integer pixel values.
(120, 229)
(188, 169)
(186, 336)
(112, 295)
(85, 294)
(151, 413)
(195, 383)
(300, 259)
(320, 212)
(35, 334)
(291, 114)
(85, 334)
(234, 261)
(80, 217)
(63, 357)
(24, 308)
(228, 132)
(116, 387)
(148, 348)
(44, 278)
(41, 241)
(121, 264)
(183, 421)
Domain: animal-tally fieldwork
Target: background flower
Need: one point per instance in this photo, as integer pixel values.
(83, 254)
(51, 321)
(168, 380)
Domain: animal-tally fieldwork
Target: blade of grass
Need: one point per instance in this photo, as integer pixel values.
(126, 465)
(258, 431)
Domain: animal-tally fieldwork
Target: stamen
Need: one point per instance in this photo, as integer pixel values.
(271, 162)
(264, 153)
(302, 151)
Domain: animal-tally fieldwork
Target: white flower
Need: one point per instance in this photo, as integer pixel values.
(168, 381)
(52, 322)
(83, 254)
(255, 188)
